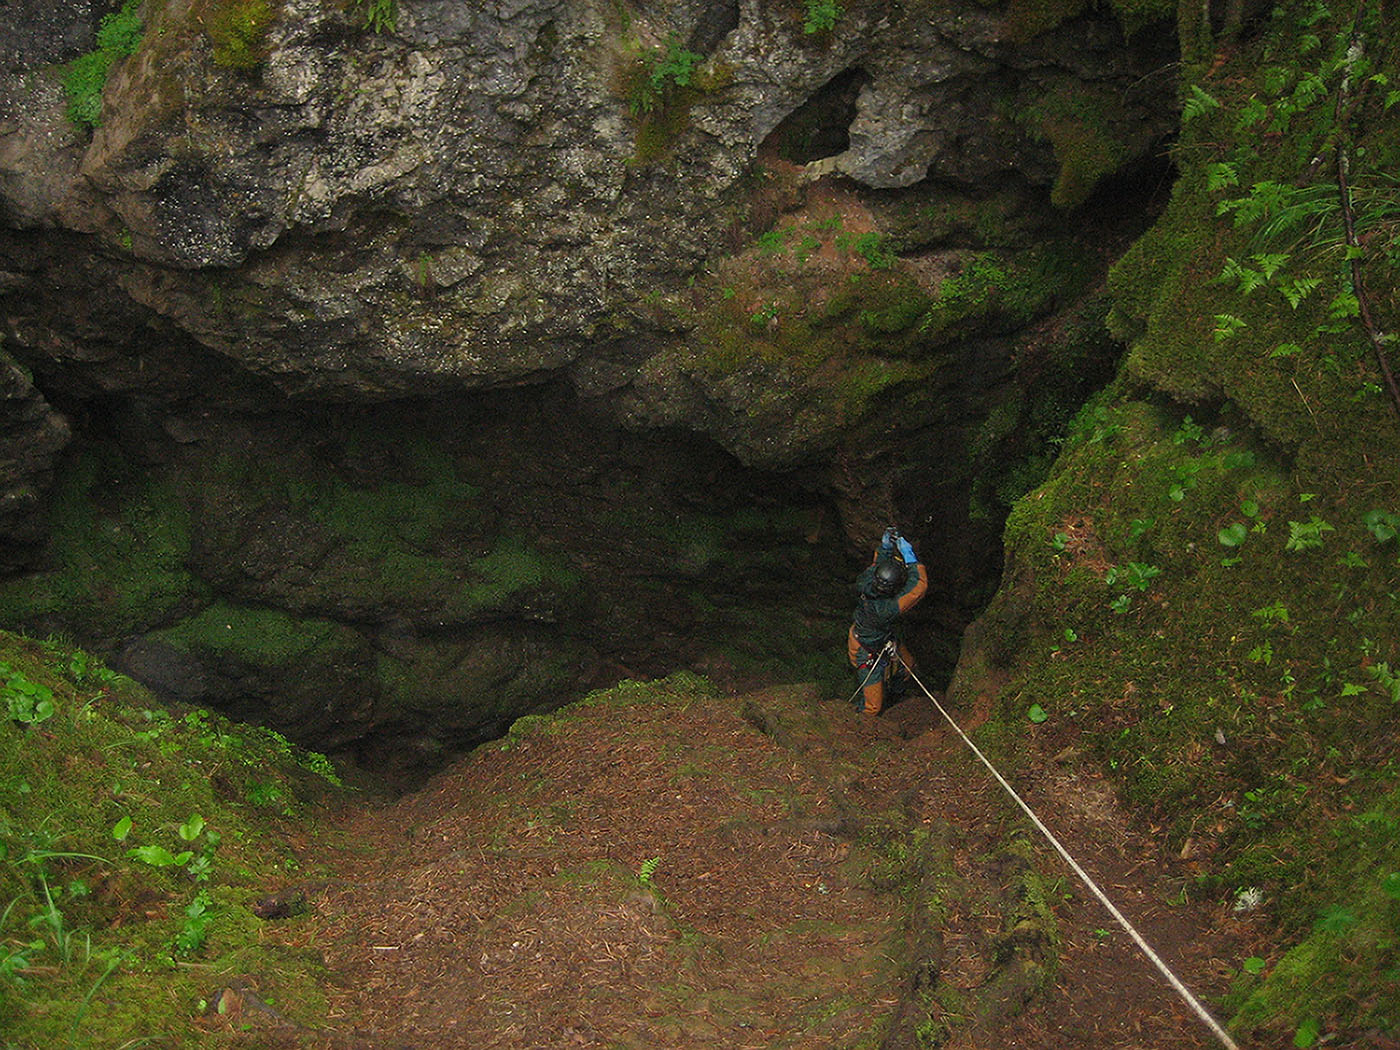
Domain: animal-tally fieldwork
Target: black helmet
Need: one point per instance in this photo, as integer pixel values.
(889, 578)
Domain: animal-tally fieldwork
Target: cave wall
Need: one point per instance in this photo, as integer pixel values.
(414, 377)
(397, 582)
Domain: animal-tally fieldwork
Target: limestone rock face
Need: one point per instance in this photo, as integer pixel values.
(689, 241)
(459, 202)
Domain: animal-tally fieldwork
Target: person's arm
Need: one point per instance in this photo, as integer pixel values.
(852, 645)
(886, 545)
(910, 598)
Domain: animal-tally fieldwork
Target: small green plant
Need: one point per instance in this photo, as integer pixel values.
(875, 250)
(1307, 535)
(1274, 612)
(1382, 524)
(647, 870)
(118, 35)
(1197, 104)
(1189, 432)
(190, 937)
(764, 316)
(25, 701)
(664, 71)
(1387, 679)
(772, 242)
(378, 16)
(1136, 574)
(1307, 1033)
(1233, 535)
(822, 16)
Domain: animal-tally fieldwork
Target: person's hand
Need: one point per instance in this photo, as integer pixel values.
(907, 552)
(887, 541)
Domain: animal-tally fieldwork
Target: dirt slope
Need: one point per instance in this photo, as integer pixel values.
(663, 867)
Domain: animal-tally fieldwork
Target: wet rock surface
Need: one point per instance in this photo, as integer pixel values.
(415, 374)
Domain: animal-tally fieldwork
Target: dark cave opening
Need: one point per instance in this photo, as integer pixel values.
(820, 126)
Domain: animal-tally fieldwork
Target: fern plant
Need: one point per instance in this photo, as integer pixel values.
(822, 16)
(663, 71)
(118, 35)
(379, 16)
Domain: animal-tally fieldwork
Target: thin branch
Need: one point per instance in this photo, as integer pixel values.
(1362, 299)
(1354, 249)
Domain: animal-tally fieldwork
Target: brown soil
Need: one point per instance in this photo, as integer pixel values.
(770, 871)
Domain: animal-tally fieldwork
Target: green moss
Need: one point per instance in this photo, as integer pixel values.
(1137, 15)
(238, 32)
(680, 688)
(1356, 932)
(1091, 132)
(495, 676)
(118, 546)
(1027, 19)
(263, 638)
(892, 308)
(94, 949)
(409, 543)
(511, 569)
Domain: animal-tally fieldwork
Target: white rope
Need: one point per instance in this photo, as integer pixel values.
(1181, 989)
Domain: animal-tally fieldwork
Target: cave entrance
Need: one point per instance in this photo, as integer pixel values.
(819, 127)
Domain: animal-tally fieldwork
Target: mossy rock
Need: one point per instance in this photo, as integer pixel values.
(116, 559)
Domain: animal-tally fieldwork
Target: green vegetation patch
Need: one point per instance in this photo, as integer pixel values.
(116, 556)
(132, 843)
(118, 35)
(1219, 625)
(1091, 131)
(238, 33)
(1005, 291)
(817, 319)
(1311, 986)
(1245, 289)
(422, 543)
(265, 638)
(681, 688)
(659, 85)
(1027, 19)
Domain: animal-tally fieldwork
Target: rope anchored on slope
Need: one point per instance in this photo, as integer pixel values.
(1181, 989)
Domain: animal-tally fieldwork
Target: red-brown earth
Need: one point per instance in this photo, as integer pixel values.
(664, 867)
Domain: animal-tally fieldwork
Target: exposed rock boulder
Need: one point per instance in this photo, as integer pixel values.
(32, 435)
(458, 203)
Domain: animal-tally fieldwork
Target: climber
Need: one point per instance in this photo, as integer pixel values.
(888, 587)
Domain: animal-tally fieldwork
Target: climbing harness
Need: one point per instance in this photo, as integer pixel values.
(881, 661)
(1155, 959)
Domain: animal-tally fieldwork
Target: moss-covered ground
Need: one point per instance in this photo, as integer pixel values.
(1204, 592)
(134, 841)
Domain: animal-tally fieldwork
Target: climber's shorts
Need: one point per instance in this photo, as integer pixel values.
(870, 667)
